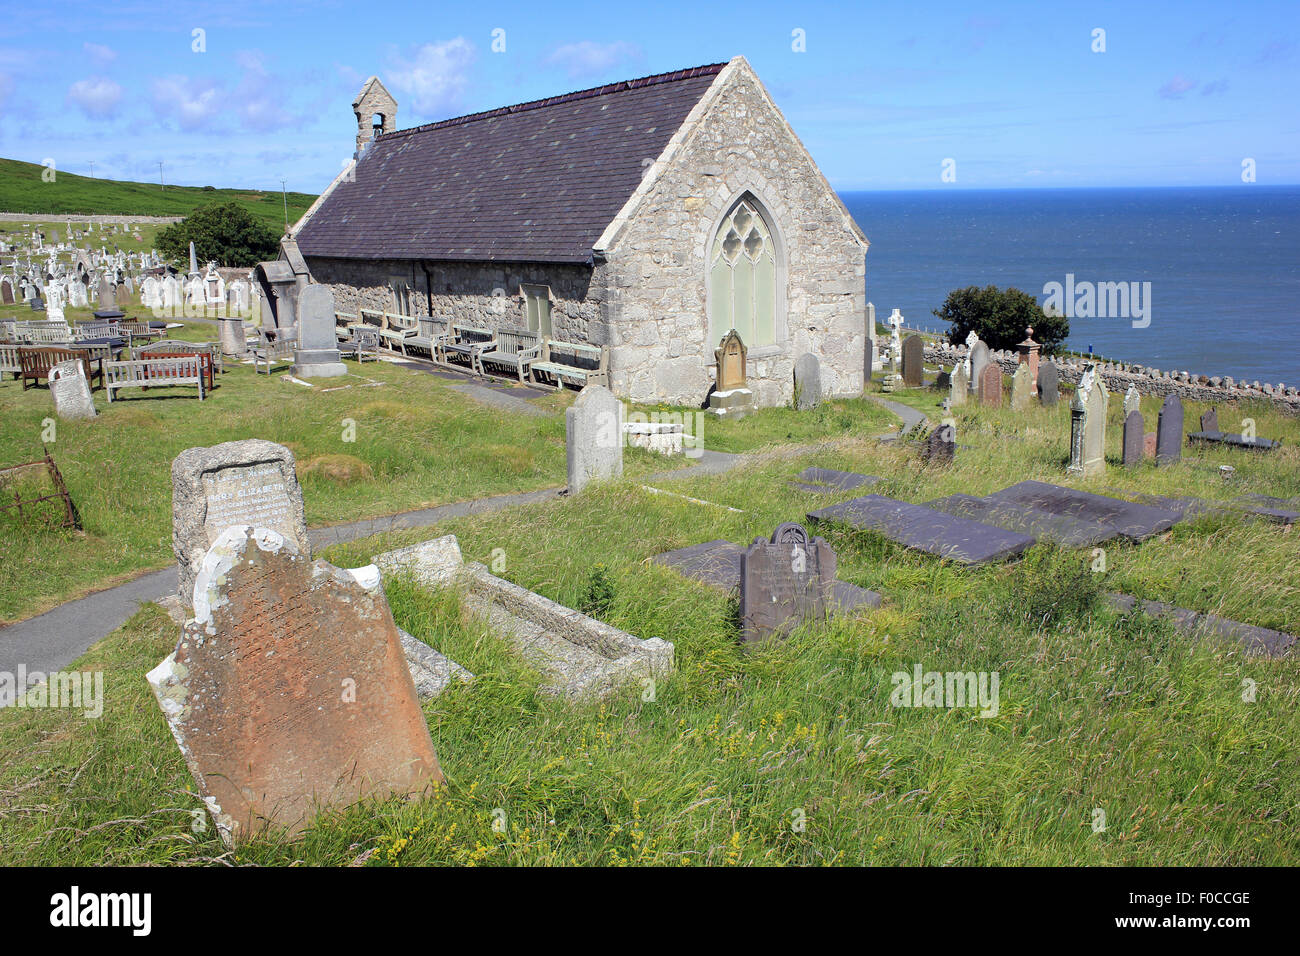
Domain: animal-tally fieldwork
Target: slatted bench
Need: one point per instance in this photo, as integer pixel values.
(572, 362)
(364, 342)
(513, 349)
(428, 331)
(270, 352)
(464, 340)
(211, 349)
(35, 363)
(177, 350)
(156, 373)
(9, 360)
(43, 333)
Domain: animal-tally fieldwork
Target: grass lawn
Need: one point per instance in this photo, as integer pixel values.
(791, 754)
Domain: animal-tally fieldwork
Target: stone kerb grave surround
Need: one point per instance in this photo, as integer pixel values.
(289, 691)
(250, 482)
(593, 427)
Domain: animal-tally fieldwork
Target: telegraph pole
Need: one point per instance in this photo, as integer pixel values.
(160, 176)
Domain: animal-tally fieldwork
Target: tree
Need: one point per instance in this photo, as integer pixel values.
(999, 317)
(226, 234)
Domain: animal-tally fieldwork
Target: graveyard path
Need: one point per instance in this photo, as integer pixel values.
(909, 415)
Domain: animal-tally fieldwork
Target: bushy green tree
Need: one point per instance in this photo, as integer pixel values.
(999, 317)
(225, 234)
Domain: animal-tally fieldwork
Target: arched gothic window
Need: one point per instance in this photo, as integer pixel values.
(742, 276)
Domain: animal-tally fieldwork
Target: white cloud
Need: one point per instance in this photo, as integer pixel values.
(434, 76)
(192, 102)
(97, 97)
(100, 54)
(588, 58)
(1176, 88)
(260, 96)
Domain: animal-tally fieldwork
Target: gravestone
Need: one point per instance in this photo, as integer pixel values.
(979, 360)
(1210, 421)
(1134, 439)
(1169, 431)
(731, 396)
(122, 296)
(6, 291)
(1049, 384)
(807, 381)
(869, 355)
(1132, 401)
(1021, 387)
(1149, 445)
(1088, 426)
(593, 430)
(71, 391)
(960, 385)
(783, 582)
(250, 482)
(106, 296)
(317, 354)
(941, 446)
(289, 691)
(991, 385)
(1137, 522)
(913, 361)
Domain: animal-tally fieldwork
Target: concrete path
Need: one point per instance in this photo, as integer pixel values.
(909, 415)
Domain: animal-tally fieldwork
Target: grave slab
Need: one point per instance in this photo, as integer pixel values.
(1134, 521)
(1235, 440)
(924, 529)
(1256, 641)
(1063, 529)
(825, 480)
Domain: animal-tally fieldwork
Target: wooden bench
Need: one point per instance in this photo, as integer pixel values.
(43, 332)
(394, 330)
(513, 349)
(9, 360)
(428, 331)
(363, 341)
(156, 373)
(35, 363)
(572, 362)
(96, 330)
(464, 340)
(211, 349)
(161, 350)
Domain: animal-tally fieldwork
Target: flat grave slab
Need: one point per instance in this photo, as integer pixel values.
(717, 564)
(827, 480)
(1235, 440)
(1190, 507)
(1065, 530)
(1261, 641)
(1137, 522)
(924, 529)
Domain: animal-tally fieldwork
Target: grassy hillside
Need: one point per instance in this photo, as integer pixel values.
(23, 190)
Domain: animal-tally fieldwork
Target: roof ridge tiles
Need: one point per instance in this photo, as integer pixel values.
(620, 86)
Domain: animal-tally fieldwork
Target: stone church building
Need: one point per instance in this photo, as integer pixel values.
(652, 216)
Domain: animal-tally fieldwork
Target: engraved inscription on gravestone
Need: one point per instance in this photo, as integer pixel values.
(784, 581)
(248, 482)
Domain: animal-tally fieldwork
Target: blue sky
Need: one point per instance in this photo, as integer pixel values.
(881, 94)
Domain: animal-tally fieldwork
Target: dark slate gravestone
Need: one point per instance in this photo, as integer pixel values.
(1062, 529)
(1169, 431)
(924, 529)
(1049, 384)
(1135, 522)
(784, 581)
(1210, 421)
(1134, 439)
(913, 361)
(828, 479)
(1257, 505)
(943, 381)
(941, 446)
(807, 381)
(1235, 440)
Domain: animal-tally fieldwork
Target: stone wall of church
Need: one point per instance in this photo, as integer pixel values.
(657, 268)
(485, 295)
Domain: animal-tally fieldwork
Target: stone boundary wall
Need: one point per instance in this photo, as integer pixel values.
(74, 218)
(1149, 381)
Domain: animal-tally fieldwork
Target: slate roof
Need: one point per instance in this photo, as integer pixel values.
(536, 182)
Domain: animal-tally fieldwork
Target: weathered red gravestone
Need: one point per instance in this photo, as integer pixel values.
(991, 385)
(289, 691)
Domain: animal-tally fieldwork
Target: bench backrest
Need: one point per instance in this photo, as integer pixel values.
(590, 358)
(175, 370)
(372, 317)
(9, 358)
(37, 362)
(430, 327)
(366, 336)
(95, 330)
(514, 341)
(462, 332)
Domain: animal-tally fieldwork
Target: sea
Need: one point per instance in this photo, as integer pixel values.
(1222, 263)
